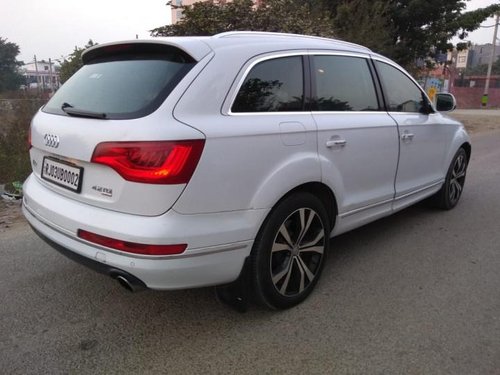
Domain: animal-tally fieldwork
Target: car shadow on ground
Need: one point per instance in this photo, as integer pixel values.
(351, 246)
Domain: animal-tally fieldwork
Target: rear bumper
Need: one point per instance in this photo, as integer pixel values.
(217, 243)
(93, 264)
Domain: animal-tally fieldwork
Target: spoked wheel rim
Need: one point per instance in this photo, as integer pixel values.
(457, 179)
(297, 252)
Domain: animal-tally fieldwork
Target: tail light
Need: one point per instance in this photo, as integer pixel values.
(151, 162)
(131, 247)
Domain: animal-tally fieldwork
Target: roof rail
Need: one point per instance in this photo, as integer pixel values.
(229, 34)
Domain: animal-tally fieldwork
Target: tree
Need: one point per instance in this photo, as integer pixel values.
(209, 18)
(405, 30)
(10, 79)
(424, 27)
(291, 16)
(74, 62)
(371, 18)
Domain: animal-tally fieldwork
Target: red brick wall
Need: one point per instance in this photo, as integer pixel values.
(470, 97)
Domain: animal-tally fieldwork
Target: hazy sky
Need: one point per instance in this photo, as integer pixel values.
(52, 28)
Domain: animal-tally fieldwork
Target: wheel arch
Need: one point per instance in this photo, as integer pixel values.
(321, 191)
(460, 140)
(468, 149)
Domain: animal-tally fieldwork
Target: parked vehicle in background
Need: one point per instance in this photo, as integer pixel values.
(186, 162)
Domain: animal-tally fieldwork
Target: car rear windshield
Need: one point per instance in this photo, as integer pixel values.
(124, 83)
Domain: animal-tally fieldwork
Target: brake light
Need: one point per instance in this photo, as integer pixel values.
(131, 247)
(151, 162)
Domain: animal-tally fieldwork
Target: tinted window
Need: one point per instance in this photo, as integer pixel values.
(344, 84)
(401, 93)
(126, 86)
(272, 85)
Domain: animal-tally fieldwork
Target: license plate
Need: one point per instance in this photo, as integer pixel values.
(63, 174)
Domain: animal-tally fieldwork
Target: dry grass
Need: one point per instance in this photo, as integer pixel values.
(15, 118)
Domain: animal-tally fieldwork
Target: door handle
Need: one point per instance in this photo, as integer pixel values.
(336, 143)
(407, 136)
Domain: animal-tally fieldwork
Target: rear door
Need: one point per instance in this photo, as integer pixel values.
(357, 139)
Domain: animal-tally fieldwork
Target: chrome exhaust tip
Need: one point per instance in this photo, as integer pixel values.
(129, 282)
(125, 283)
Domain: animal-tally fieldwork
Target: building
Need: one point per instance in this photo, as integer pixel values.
(481, 54)
(177, 13)
(41, 75)
(468, 87)
(463, 59)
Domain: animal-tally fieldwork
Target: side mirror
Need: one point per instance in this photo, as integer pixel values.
(445, 102)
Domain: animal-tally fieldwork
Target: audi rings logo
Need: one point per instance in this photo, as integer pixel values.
(51, 140)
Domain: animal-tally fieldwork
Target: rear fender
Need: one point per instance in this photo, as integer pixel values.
(285, 177)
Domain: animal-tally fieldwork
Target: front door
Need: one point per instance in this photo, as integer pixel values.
(423, 139)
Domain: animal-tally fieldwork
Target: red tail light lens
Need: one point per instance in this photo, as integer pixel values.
(131, 247)
(162, 162)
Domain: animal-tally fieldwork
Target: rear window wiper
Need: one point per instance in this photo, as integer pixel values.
(72, 111)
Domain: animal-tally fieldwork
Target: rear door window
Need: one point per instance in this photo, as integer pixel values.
(274, 85)
(344, 83)
(122, 86)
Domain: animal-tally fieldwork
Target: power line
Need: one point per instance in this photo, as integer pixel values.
(488, 26)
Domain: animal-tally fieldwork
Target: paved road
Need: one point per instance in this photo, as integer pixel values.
(417, 293)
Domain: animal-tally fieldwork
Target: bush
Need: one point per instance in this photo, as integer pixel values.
(16, 112)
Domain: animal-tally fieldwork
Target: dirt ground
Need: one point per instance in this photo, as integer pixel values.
(476, 121)
(10, 215)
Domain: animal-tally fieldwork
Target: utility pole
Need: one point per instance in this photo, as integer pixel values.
(36, 70)
(484, 101)
(50, 77)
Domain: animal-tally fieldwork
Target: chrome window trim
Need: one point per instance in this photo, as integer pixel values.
(410, 113)
(228, 103)
(308, 113)
(394, 65)
(347, 112)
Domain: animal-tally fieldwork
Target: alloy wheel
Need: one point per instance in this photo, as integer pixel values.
(457, 179)
(297, 252)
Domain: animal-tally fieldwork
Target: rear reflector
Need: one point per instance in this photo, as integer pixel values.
(151, 162)
(131, 247)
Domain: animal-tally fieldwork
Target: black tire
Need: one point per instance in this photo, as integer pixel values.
(289, 252)
(451, 191)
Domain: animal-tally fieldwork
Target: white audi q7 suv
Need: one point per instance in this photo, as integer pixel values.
(232, 160)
